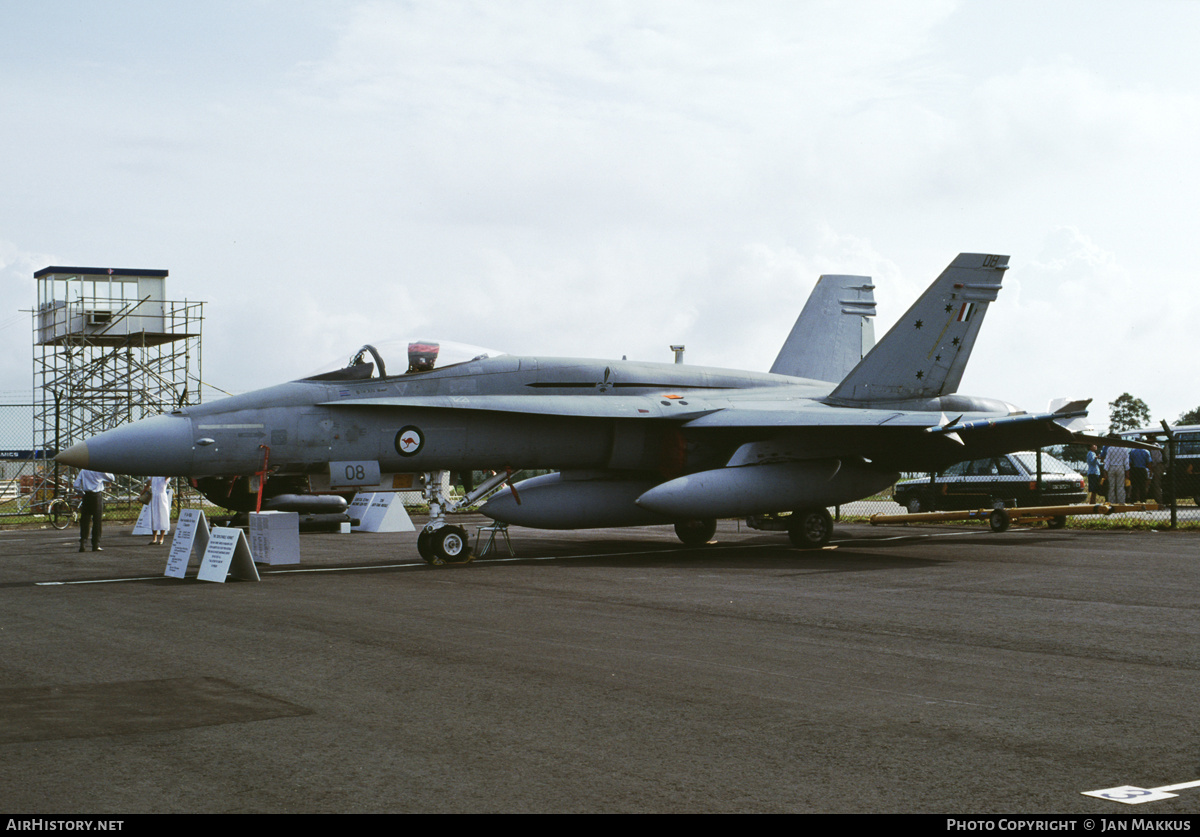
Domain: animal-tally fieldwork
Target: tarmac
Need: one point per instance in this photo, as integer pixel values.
(903, 669)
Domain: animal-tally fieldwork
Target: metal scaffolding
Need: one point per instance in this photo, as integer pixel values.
(109, 348)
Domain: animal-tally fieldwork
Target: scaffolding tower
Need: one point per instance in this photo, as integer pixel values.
(109, 348)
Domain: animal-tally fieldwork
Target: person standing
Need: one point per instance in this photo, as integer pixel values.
(1139, 471)
(91, 511)
(1116, 461)
(1093, 475)
(160, 508)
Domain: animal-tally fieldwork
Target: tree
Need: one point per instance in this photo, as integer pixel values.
(1127, 413)
(1190, 417)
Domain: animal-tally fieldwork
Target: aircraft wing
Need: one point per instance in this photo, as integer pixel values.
(790, 417)
(695, 412)
(905, 440)
(782, 428)
(698, 414)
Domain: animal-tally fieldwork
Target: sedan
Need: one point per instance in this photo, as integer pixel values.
(1010, 480)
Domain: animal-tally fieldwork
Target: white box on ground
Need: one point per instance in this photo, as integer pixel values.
(275, 537)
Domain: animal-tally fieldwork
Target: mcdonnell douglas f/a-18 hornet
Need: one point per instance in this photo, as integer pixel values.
(632, 443)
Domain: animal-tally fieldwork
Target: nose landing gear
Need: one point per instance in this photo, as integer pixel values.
(447, 545)
(440, 543)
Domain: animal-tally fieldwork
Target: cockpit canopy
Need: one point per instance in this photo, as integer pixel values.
(408, 357)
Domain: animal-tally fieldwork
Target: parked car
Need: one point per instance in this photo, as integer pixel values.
(1009, 480)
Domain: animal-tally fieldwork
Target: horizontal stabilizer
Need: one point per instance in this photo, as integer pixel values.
(1111, 441)
(926, 351)
(833, 332)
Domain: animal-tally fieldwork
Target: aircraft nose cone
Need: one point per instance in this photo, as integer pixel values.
(159, 446)
(76, 456)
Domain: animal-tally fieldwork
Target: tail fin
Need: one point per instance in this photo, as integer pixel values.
(926, 351)
(833, 332)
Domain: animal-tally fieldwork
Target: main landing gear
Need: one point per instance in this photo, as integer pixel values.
(696, 532)
(441, 543)
(810, 528)
(806, 528)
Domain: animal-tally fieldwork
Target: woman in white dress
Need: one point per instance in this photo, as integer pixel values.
(160, 508)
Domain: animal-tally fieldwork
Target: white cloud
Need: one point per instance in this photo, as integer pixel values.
(609, 178)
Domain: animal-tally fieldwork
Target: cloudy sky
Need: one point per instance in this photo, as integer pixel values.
(607, 178)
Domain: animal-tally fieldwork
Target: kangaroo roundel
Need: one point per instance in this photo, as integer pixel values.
(409, 441)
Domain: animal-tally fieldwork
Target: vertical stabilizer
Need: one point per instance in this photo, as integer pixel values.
(926, 351)
(833, 332)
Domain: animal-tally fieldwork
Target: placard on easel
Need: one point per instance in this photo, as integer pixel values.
(228, 555)
(384, 513)
(191, 531)
(358, 508)
(142, 527)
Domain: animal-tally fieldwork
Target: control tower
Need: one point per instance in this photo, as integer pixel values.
(109, 348)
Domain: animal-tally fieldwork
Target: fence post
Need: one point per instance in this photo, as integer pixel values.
(1174, 480)
(57, 437)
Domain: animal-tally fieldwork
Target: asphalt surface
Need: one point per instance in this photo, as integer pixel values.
(923, 669)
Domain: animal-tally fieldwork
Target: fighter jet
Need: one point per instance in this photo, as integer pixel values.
(632, 443)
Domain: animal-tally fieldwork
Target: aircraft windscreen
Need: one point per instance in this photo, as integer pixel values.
(400, 357)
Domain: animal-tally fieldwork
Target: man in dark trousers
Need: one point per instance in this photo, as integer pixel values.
(1139, 470)
(91, 512)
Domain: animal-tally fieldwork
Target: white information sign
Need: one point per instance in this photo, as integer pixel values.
(275, 537)
(191, 531)
(228, 554)
(142, 527)
(358, 508)
(386, 514)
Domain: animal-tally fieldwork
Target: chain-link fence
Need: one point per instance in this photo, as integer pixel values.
(30, 479)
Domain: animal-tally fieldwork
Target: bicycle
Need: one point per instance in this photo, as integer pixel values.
(63, 511)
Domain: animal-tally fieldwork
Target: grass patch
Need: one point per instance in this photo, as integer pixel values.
(1096, 523)
(1132, 524)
